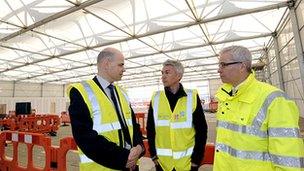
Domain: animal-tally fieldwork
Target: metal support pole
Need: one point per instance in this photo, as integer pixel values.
(267, 66)
(41, 93)
(278, 59)
(63, 90)
(14, 88)
(298, 44)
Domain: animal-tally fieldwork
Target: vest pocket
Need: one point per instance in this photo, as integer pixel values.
(235, 112)
(243, 114)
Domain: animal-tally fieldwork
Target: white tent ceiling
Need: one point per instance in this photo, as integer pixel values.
(47, 41)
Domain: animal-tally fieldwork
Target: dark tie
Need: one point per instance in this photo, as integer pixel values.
(120, 116)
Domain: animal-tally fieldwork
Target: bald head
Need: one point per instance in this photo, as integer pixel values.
(108, 53)
(110, 64)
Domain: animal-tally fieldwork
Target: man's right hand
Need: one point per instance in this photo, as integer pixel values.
(134, 156)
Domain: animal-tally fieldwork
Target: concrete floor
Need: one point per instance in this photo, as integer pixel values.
(72, 158)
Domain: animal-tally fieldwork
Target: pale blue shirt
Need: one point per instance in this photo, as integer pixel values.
(104, 84)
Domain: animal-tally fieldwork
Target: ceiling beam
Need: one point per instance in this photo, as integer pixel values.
(172, 50)
(160, 84)
(219, 17)
(50, 18)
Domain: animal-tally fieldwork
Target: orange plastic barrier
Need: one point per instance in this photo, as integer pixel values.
(141, 119)
(208, 155)
(30, 140)
(65, 118)
(9, 122)
(55, 156)
(213, 106)
(147, 154)
(32, 123)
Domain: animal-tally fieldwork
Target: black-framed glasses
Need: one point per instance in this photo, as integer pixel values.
(224, 64)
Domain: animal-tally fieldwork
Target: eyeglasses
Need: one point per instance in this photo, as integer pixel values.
(224, 64)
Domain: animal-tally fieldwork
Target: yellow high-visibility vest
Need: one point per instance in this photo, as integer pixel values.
(174, 139)
(103, 114)
(257, 129)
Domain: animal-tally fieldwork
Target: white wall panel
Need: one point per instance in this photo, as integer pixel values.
(293, 89)
(285, 35)
(288, 52)
(9, 89)
(41, 104)
(291, 71)
(53, 90)
(6, 89)
(27, 90)
(275, 79)
(40, 95)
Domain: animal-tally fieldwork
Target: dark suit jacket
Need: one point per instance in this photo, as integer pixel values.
(95, 146)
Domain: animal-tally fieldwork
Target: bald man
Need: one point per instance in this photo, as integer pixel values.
(103, 122)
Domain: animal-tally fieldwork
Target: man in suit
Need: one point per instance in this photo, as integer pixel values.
(103, 123)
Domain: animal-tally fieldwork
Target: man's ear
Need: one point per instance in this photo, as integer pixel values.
(105, 63)
(243, 67)
(180, 77)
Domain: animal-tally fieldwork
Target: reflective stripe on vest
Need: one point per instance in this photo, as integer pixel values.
(129, 122)
(174, 125)
(85, 159)
(263, 156)
(98, 126)
(176, 155)
(284, 132)
(254, 129)
(261, 116)
(126, 96)
(155, 112)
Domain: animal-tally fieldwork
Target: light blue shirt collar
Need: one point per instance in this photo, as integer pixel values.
(104, 83)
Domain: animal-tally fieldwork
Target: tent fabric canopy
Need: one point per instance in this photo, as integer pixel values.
(42, 41)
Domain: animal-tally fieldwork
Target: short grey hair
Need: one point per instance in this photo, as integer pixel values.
(239, 54)
(105, 54)
(176, 64)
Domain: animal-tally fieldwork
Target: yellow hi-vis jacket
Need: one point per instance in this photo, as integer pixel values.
(104, 116)
(174, 139)
(257, 129)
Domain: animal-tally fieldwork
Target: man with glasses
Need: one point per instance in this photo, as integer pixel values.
(257, 124)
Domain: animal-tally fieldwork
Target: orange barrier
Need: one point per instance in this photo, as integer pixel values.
(55, 156)
(32, 123)
(141, 119)
(9, 122)
(30, 140)
(208, 155)
(147, 154)
(213, 106)
(65, 118)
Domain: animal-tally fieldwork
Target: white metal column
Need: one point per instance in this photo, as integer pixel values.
(267, 66)
(278, 60)
(298, 44)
